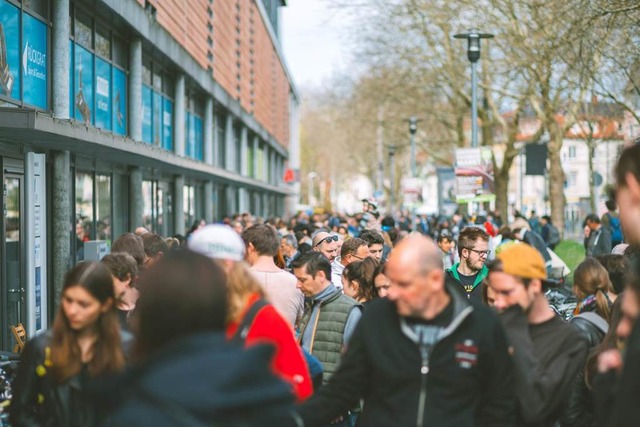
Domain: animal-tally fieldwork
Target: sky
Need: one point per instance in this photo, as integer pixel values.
(312, 35)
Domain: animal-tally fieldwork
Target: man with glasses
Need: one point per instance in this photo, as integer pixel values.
(354, 249)
(467, 275)
(326, 244)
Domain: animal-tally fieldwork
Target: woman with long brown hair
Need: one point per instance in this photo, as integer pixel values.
(85, 342)
(592, 287)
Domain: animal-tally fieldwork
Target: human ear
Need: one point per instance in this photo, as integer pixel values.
(107, 305)
(633, 185)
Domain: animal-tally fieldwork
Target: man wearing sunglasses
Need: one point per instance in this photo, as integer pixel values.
(467, 275)
(326, 244)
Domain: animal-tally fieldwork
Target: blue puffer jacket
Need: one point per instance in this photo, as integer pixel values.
(202, 380)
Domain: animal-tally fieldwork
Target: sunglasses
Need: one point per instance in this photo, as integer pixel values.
(327, 239)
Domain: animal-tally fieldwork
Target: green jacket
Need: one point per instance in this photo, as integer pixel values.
(473, 292)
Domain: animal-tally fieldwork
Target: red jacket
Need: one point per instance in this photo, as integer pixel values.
(288, 363)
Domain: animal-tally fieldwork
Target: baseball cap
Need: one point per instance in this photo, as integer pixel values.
(523, 261)
(217, 241)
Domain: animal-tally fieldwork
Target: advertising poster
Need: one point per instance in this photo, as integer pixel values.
(447, 191)
(103, 94)
(190, 136)
(83, 85)
(9, 50)
(474, 175)
(167, 125)
(71, 97)
(147, 131)
(119, 101)
(157, 118)
(198, 138)
(34, 61)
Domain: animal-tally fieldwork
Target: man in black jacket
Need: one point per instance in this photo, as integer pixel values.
(423, 356)
(548, 353)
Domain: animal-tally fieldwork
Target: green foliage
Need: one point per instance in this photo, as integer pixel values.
(572, 253)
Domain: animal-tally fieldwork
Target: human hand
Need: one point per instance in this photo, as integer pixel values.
(609, 360)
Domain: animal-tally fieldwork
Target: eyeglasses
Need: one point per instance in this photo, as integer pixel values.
(357, 257)
(481, 253)
(327, 239)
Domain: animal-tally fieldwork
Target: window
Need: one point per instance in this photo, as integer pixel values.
(157, 106)
(222, 143)
(572, 151)
(194, 137)
(92, 210)
(98, 85)
(189, 206)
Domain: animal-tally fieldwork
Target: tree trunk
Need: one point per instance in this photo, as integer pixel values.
(556, 178)
(501, 177)
(592, 190)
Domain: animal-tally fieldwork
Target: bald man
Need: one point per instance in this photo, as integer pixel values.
(325, 243)
(425, 352)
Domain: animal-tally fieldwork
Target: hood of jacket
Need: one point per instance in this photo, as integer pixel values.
(206, 375)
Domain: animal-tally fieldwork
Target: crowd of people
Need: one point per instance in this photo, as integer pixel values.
(330, 320)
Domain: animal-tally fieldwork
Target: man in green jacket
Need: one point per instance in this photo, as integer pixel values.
(466, 276)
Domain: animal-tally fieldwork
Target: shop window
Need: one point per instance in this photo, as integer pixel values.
(157, 106)
(260, 163)
(103, 208)
(41, 7)
(84, 212)
(194, 144)
(149, 205)
(250, 159)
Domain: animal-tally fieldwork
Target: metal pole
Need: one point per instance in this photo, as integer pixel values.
(392, 178)
(412, 131)
(474, 105)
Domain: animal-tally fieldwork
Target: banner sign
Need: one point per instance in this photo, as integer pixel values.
(103, 94)
(83, 85)
(147, 130)
(474, 175)
(9, 50)
(34, 61)
(119, 101)
(446, 191)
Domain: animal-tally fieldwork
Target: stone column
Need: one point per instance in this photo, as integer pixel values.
(179, 113)
(208, 202)
(60, 61)
(178, 206)
(135, 90)
(209, 131)
(229, 145)
(62, 220)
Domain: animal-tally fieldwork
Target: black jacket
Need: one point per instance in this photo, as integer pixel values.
(39, 401)
(466, 381)
(599, 242)
(201, 380)
(547, 358)
(580, 408)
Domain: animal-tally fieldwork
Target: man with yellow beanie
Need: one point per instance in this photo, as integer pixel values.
(547, 352)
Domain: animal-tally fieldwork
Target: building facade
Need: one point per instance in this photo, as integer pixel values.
(121, 113)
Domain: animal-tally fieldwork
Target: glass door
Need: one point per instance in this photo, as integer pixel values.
(13, 281)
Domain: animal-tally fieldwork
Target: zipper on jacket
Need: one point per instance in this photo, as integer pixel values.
(424, 370)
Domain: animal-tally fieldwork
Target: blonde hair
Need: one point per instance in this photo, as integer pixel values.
(241, 286)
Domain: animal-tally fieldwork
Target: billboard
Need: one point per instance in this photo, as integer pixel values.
(83, 85)
(9, 50)
(103, 94)
(474, 175)
(447, 204)
(34, 61)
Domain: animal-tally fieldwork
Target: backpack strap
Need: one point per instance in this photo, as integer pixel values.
(247, 320)
(596, 320)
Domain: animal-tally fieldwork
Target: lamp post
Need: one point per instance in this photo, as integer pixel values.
(392, 178)
(413, 127)
(473, 53)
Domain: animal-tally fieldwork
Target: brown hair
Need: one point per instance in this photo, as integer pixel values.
(590, 277)
(350, 246)
(469, 236)
(629, 162)
(608, 342)
(122, 266)
(131, 244)
(183, 293)
(263, 237)
(106, 352)
(362, 272)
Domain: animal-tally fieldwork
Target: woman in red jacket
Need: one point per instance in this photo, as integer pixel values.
(251, 318)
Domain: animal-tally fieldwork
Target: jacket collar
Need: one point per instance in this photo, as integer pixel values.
(461, 309)
(453, 271)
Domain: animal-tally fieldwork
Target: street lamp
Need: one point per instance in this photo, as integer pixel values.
(473, 53)
(392, 177)
(413, 127)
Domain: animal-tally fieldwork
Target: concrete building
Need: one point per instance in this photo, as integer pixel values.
(121, 113)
